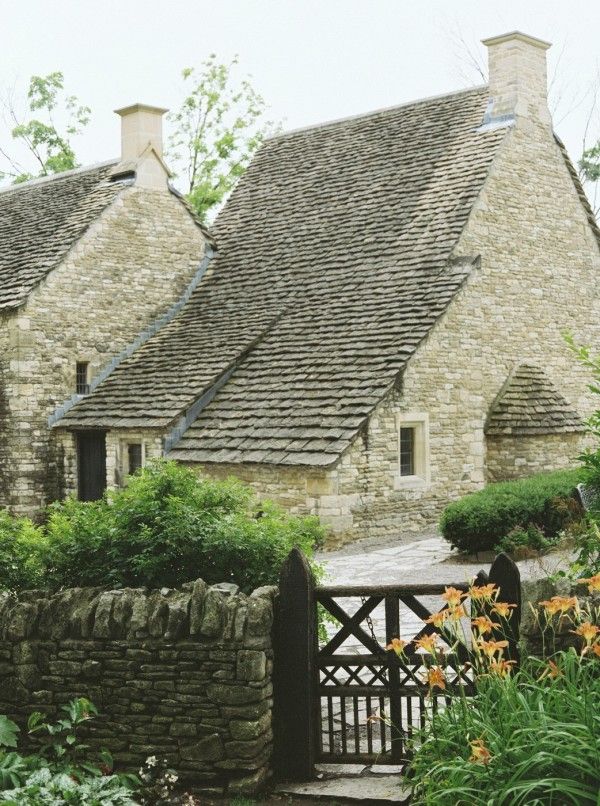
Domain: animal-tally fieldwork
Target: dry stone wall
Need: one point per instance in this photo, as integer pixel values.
(181, 674)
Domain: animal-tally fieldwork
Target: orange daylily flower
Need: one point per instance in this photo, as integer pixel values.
(593, 583)
(483, 592)
(438, 619)
(559, 604)
(428, 643)
(503, 609)
(587, 631)
(436, 678)
(551, 670)
(398, 645)
(502, 667)
(490, 648)
(456, 613)
(453, 596)
(479, 752)
(483, 624)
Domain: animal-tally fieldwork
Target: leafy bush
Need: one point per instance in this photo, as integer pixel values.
(170, 526)
(527, 738)
(587, 550)
(478, 522)
(22, 549)
(523, 541)
(62, 770)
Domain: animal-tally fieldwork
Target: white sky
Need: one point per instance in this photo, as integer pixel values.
(312, 60)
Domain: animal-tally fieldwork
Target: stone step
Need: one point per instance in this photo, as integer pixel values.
(348, 789)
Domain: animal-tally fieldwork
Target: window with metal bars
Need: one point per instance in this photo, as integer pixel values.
(82, 377)
(407, 451)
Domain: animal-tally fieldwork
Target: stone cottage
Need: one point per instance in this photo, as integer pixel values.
(88, 260)
(381, 327)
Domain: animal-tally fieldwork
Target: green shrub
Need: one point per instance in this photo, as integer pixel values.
(478, 522)
(169, 526)
(22, 550)
(525, 539)
(63, 770)
(540, 727)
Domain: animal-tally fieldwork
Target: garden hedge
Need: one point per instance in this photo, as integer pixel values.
(479, 521)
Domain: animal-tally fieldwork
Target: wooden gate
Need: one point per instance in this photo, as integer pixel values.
(337, 703)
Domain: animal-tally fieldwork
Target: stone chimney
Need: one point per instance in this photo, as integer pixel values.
(518, 80)
(141, 145)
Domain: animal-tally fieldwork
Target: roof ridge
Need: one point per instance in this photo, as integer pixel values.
(40, 180)
(374, 112)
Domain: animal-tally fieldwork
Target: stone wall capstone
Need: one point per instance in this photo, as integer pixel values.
(183, 674)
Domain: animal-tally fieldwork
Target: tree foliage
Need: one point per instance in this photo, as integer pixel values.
(217, 129)
(47, 143)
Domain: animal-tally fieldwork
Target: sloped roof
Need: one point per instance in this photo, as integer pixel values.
(332, 265)
(529, 405)
(40, 221)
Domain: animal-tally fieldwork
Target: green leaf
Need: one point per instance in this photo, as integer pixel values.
(8, 732)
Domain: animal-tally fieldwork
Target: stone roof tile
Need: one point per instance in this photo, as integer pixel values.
(40, 220)
(333, 264)
(529, 405)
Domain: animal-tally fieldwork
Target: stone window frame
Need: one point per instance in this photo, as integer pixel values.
(419, 421)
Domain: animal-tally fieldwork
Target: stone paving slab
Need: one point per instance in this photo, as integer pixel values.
(351, 789)
(415, 558)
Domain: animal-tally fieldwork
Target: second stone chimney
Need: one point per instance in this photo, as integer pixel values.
(518, 79)
(142, 146)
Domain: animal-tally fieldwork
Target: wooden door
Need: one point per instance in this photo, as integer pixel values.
(91, 465)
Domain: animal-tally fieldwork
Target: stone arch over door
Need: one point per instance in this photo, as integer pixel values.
(530, 427)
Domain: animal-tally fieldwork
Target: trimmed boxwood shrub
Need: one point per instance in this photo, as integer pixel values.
(479, 521)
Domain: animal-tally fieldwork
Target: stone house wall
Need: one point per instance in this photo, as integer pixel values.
(536, 278)
(116, 454)
(184, 674)
(512, 457)
(128, 268)
(539, 260)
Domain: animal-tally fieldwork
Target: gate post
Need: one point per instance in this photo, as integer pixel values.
(505, 574)
(294, 670)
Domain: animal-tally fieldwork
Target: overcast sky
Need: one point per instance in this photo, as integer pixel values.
(312, 60)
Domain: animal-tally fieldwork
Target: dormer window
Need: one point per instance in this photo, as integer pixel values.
(82, 377)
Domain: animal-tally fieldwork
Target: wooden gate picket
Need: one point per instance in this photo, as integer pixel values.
(329, 702)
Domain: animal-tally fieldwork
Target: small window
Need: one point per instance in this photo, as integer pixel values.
(407, 451)
(412, 470)
(135, 457)
(82, 380)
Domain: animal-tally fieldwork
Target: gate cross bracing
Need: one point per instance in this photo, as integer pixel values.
(332, 692)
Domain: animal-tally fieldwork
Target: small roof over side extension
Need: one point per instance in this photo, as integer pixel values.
(529, 405)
